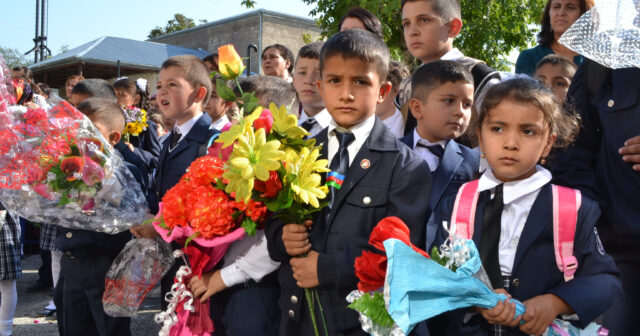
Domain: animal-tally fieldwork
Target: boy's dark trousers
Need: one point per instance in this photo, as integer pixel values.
(78, 296)
(248, 308)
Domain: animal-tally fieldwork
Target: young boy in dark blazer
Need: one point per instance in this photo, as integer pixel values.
(88, 255)
(381, 178)
(183, 91)
(441, 100)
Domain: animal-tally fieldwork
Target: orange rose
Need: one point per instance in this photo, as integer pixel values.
(229, 62)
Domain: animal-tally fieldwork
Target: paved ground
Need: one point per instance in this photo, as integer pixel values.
(26, 322)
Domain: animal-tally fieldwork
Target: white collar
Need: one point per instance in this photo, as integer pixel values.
(323, 118)
(360, 130)
(186, 127)
(515, 189)
(417, 138)
(452, 54)
(219, 124)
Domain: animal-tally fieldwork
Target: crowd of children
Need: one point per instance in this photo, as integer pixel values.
(405, 144)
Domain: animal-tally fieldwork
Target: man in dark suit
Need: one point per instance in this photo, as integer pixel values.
(373, 177)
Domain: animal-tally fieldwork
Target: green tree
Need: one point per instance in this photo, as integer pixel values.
(14, 58)
(179, 22)
(491, 30)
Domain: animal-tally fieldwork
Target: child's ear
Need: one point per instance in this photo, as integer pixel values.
(114, 138)
(479, 136)
(385, 88)
(200, 94)
(415, 106)
(455, 26)
(549, 145)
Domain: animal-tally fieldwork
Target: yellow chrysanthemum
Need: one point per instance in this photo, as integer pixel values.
(286, 124)
(243, 126)
(305, 166)
(254, 156)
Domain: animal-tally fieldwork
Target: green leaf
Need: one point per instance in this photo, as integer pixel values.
(373, 307)
(250, 102)
(186, 243)
(249, 226)
(224, 91)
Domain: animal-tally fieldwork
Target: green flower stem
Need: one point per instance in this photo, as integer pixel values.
(239, 87)
(309, 294)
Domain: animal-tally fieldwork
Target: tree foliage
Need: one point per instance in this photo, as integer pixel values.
(179, 22)
(491, 30)
(14, 58)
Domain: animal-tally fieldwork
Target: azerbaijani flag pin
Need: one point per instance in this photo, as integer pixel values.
(365, 164)
(335, 180)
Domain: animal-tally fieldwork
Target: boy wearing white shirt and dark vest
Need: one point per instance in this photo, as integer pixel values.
(381, 177)
(313, 116)
(390, 115)
(442, 96)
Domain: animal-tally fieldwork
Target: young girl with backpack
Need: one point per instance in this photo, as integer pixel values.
(537, 241)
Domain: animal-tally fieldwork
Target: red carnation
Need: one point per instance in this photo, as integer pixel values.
(264, 121)
(270, 187)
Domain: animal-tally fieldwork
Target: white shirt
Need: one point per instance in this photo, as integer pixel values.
(322, 118)
(219, 124)
(518, 197)
(432, 160)
(247, 259)
(360, 131)
(187, 126)
(395, 123)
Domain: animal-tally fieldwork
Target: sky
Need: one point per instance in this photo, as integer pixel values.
(75, 22)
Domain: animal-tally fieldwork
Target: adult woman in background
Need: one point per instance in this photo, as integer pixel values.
(358, 17)
(277, 61)
(557, 17)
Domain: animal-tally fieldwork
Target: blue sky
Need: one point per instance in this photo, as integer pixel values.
(74, 22)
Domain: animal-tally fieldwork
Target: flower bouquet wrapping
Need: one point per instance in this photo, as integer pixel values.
(55, 167)
(420, 288)
(135, 121)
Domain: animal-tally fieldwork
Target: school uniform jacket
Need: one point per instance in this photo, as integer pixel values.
(459, 164)
(173, 164)
(596, 284)
(609, 118)
(385, 179)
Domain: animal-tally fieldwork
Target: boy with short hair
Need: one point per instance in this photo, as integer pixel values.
(313, 116)
(390, 115)
(441, 100)
(382, 178)
(92, 87)
(88, 255)
(430, 27)
(556, 72)
(183, 90)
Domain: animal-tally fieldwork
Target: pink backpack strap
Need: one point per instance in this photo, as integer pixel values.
(566, 202)
(464, 210)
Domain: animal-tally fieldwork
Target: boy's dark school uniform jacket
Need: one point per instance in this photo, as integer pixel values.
(459, 164)
(173, 164)
(385, 179)
(596, 284)
(149, 146)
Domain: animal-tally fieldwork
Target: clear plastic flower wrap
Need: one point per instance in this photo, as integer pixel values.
(55, 167)
(134, 272)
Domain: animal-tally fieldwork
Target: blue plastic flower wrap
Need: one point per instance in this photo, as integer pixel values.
(420, 288)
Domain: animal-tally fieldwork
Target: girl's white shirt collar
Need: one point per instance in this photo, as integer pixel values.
(515, 189)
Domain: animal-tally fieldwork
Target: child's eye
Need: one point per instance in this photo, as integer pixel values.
(333, 80)
(361, 82)
(405, 24)
(448, 101)
(496, 129)
(529, 132)
(467, 105)
(424, 20)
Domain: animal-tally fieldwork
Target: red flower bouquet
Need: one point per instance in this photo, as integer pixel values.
(56, 167)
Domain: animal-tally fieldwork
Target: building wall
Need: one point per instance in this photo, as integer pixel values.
(245, 31)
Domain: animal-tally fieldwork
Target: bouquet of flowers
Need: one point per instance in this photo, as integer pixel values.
(56, 167)
(135, 121)
(417, 287)
(259, 165)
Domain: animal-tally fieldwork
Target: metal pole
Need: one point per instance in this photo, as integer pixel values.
(42, 11)
(118, 69)
(37, 29)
